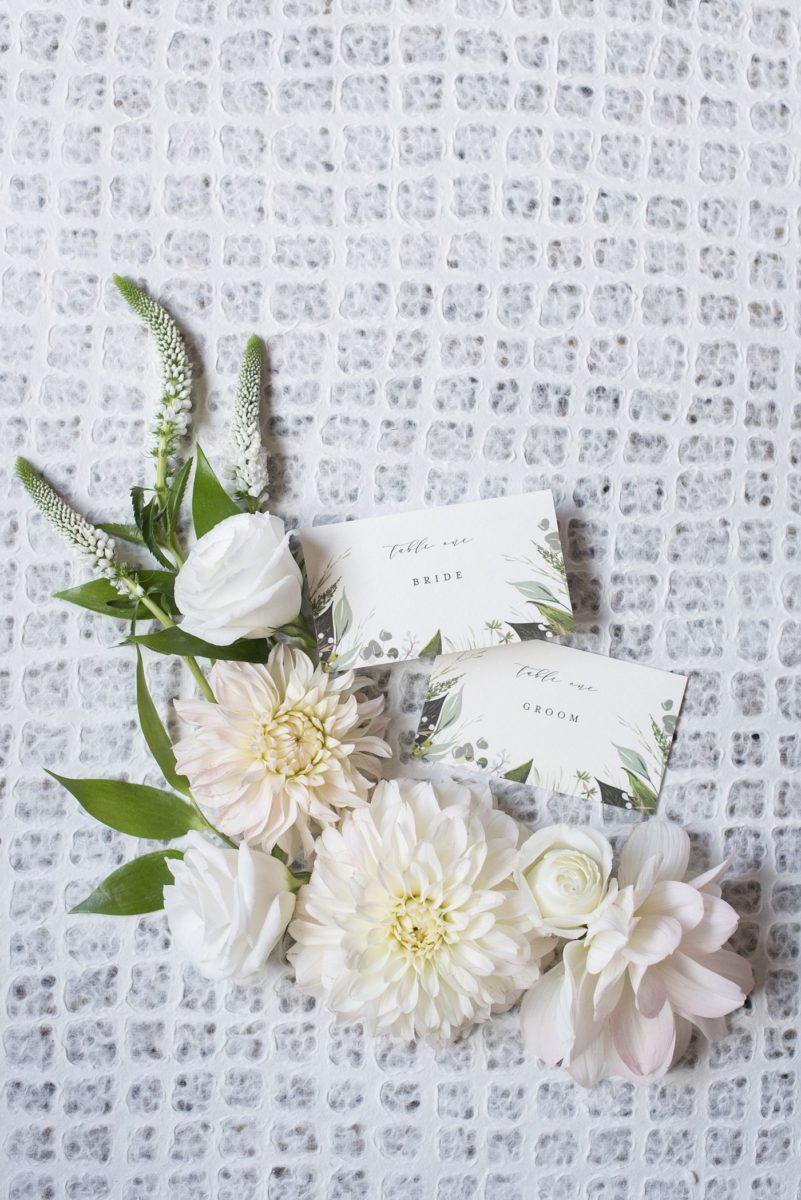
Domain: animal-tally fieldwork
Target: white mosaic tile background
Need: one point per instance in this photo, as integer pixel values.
(492, 245)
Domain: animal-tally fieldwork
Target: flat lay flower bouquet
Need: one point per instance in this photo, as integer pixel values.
(416, 907)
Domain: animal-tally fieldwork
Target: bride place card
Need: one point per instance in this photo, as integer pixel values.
(437, 581)
(563, 719)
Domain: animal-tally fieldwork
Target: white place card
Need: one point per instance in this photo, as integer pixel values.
(440, 580)
(548, 715)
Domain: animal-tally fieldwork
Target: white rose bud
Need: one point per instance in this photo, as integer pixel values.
(563, 876)
(227, 908)
(239, 581)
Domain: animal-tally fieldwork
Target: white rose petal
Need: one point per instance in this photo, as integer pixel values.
(563, 877)
(227, 909)
(239, 581)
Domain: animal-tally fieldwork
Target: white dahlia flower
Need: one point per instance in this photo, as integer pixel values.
(411, 920)
(285, 746)
(654, 963)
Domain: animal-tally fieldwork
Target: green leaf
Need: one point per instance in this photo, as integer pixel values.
(150, 533)
(133, 808)
(631, 760)
(100, 596)
(123, 533)
(342, 617)
(136, 887)
(666, 704)
(433, 646)
(451, 709)
(644, 798)
(559, 619)
(519, 774)
(210, 501)
(176, 494)
(175, 641)
(138, 505)
(154, 732)
(535, 592)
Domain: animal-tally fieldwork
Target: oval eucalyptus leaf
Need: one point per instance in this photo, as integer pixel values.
(174, 641)
(210, 501)
(154, 732)
(136, 887)
(133, 808)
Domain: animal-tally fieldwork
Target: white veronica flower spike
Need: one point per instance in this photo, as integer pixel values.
(411, 920)
(285, 747)
(653, 964)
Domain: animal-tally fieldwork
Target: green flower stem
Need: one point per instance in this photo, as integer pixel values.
(212, 828)
(168, 623)
(165, 620)
(299, 879)
(299, 630)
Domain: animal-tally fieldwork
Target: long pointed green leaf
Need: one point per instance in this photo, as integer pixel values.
(125, 533)
(154, 732)
(150, 533)
(175, 641)
(136, 887)
(210, 501)
(176, 496)
(100, 595)
(133, 808)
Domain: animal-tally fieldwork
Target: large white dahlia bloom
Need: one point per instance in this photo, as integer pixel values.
(411, 920)
(654, 963)
(285, 747)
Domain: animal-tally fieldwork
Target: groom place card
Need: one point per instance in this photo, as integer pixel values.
(437, 581)
(563, 719)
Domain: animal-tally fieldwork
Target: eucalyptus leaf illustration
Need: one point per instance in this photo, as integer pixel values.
(519, 774)
(372, 650)
(535, 592)
(343, 617)
(632, 761)
(435, 753)
(451, 709)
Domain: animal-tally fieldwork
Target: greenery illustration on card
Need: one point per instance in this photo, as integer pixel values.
(442, 581)
(554, 717)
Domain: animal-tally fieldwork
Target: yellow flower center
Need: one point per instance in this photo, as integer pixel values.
(292, 742)
(418, 925)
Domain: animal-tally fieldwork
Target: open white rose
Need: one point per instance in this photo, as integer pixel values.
(239, 580)
(227, 908)
(563, 874)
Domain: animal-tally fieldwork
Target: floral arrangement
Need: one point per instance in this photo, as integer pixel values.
(414, 906)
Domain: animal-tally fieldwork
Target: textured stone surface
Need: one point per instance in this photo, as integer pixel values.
(493, 244)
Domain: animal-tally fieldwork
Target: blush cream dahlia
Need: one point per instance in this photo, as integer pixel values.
(411, 920)
(285, 748)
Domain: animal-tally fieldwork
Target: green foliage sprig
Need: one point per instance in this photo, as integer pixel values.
(127, 591)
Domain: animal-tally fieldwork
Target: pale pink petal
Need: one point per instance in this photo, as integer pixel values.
(673, 899)
(654, 838)
(645, 1044)
(545, 1017)
(652, 939)
(695, 990)
(719, 922)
